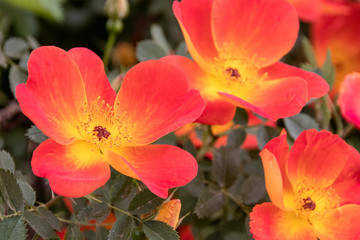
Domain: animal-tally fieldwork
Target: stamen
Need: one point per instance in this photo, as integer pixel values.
(101, 132)
(233, 72)
(309, 204)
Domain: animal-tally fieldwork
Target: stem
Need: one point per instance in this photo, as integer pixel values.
(206, 144)
(90, 197)
(245, 209)
(335, 113)
(84, 223)
(108, 48)
(52, 201)
(346, 131)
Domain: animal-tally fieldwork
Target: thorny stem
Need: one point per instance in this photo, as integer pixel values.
(90, 197)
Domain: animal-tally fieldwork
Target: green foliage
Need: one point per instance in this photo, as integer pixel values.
(148, 50)
(156, 230)
(121, 229)
(210, 201)
(328, 70)
(298, 123)
(48, 9)
(40, 225)
(35, 134)
(241, 117)
(50, 218)
(95, 211)
(12, 228)
(308, 51)
(226, 165)
(6, 161)
(144, 202)
(27, 192)
(264, 135)
(15, 48)
(236, 137)
(10, 191)
(73, 232)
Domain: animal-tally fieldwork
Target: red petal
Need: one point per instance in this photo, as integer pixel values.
(159, 167)
(211, 112)
(267, 222)
(342, 223)
(270, 99)
(194, 18)
(54, 94)
(349, 100)
(155, 97)
(253, 26)
(308, 10)
(274, 157)
(73, 170)
(93, 74)
(316, 85)
(198, 79)
(347, 185)
(317, 157)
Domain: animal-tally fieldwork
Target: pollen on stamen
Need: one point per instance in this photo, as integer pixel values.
(101, 132)
(309, 204)
(233, 72)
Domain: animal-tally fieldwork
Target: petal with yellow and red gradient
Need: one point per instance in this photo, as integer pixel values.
(73, 170)
(194, 18)
(317, 157)
(93, 74)
(159, 167)
(253, 26)
(349, 100)
(341, 223)
(347, 184)
(272, 99)
(54, 94)
(316, 85)
(267, 222)
(274, 158)
(198, 79)
(155, 97)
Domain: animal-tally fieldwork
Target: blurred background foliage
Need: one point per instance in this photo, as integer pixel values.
(230, 179)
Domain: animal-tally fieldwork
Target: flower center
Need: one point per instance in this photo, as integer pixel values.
(102, 127)
(313, 202)
(238, 67)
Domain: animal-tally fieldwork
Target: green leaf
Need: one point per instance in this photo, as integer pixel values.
(50, 218)
(211, 201)
(95, 211)
(73, 232)
(149, 49)
(156, 230)
(6, 161)
(328, 70)
(253, 190)
(35, 134)
(298, 123)
(182, 50)
(27, 192)
(121, 229)
(10, 191)
(120, 188)
(308, 51)
(12, 228)
(145, 201)
(236, 137)
(51, 10)
(241, 117)
(15, 47)
(3, 62)
(157, 34)
(16, 76)
(40, 225)
(264, 135)
(226, 165)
